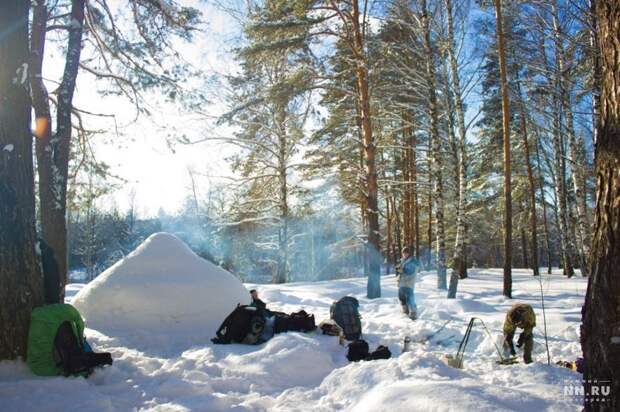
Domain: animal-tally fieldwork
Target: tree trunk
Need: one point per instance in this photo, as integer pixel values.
(532, 186)
(525, 258)
(407, 191)
(397, 230)
(282, 265)
(601, 315)
(429, 231)
(416, 206)
(596, 82)
(362, 196)
(558, 148)
(560, 194)
(388, 226)
(373, 289)
(460, 266)
(436, 150)
(21, 282)
(53, 154)
(507, 170)
(578, 178)
(541, 182)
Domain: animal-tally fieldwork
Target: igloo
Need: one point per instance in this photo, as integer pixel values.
(161, 287)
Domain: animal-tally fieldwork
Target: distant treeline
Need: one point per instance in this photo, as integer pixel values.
(322, 247)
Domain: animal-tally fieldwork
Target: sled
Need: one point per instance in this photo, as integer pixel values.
(508, 361)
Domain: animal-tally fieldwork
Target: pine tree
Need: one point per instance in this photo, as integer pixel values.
(506, 139)
(20, 272)
(270, 106)
(601, 316)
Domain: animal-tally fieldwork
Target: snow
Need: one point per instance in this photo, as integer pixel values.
(160, 291)
(21, 74)
(8, 148)
(309, 372)
(71, 290)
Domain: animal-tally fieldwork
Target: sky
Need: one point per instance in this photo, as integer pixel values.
(139, 151)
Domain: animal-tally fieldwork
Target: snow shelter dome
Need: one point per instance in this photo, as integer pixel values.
(161, 286)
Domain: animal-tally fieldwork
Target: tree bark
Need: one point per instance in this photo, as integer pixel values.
(53, 153)
(460, 266)
(407, 190)
(525, 258)
(282, 265)
(436, 145)
(541, 182)
(507, 169)
(21, 281)
(578, 177)
(558, 148)
(373, 289)
(600, 335)
(532, 185)
(429, 229)
(416, 206)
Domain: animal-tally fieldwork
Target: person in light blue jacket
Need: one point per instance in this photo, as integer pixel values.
(406, 283)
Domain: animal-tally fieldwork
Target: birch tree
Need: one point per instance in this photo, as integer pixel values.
(459, 264)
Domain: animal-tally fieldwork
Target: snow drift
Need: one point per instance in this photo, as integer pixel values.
(310, 372)
(161, 287)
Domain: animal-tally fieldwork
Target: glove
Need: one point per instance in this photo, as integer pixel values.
(508, 345)
(521, 340)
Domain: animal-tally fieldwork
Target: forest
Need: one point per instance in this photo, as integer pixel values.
(479, 133)
(431, 165)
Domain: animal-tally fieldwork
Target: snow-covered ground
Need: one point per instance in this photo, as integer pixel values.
(309, 372)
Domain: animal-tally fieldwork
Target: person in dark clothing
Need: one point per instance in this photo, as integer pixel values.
(261, 307)
(522, 316)
(51, 274)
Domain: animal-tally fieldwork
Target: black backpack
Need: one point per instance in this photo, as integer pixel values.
(297, 322)
(74, 357)
(358, 350)
(281, 322)
(243, 325)
(301, 322)
(382, 352)
(346, 314)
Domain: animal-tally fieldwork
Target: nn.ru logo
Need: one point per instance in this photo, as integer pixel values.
(599, 390)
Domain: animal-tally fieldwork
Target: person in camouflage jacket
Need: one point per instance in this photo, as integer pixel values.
(521, 316)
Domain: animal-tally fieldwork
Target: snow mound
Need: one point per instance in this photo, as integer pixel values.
(161, 286)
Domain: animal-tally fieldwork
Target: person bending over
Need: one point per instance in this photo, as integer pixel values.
(521, 316)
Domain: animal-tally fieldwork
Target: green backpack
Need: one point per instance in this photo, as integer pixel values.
(44, 324)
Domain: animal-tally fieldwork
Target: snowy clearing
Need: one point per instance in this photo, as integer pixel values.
(303, 372)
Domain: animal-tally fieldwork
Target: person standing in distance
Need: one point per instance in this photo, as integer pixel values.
(406, 283)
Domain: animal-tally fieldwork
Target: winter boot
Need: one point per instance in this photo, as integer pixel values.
(413, 315)
(405, 309)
